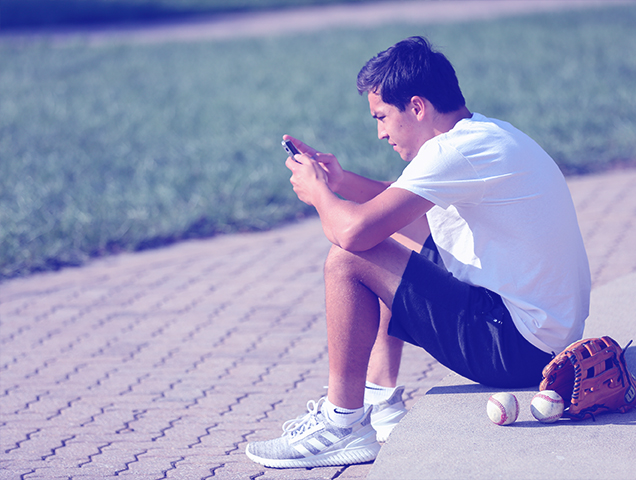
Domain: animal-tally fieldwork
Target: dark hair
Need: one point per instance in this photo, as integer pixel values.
(409, 68)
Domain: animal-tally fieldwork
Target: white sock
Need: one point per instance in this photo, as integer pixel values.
(343, 417)
(375, 394)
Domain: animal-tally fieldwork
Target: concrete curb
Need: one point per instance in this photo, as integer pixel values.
(447, 435)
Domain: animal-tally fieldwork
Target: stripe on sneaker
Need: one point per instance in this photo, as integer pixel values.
(300, 448)
(317, 444)
(329, 437)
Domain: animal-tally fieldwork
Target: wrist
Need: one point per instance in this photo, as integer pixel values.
(323, 197)
(339, 186)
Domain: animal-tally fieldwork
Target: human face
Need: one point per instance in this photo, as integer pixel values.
(402, 130)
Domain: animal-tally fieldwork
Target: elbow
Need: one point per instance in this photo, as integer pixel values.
(350, 245)
(354, 238)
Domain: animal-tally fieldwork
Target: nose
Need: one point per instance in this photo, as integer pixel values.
(381, 132)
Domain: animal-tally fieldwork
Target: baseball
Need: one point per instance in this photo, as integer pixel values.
(547, 406)
(503, 408)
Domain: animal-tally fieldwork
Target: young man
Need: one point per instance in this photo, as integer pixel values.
(474, 254)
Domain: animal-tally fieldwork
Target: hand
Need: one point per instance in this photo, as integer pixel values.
(308, 177)
(328, 162)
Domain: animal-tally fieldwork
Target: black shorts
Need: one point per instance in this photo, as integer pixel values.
(466, 328)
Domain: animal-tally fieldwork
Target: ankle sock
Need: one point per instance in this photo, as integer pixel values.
(375, 394)
(343, 417)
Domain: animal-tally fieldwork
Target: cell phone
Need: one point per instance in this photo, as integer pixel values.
(290, 148)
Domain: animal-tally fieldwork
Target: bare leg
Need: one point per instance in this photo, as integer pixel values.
(384, 363)
(360, 289)
(356, 285)
(386, 356)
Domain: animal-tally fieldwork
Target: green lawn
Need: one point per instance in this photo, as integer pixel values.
(125, 147)
(17, 14)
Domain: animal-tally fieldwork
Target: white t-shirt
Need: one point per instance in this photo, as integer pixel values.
(504, 220)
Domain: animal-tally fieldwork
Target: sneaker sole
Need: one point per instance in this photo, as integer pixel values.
(343, 457)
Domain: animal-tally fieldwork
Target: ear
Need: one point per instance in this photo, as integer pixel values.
(418, 107)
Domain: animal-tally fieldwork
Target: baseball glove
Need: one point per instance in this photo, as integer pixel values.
(592, 377)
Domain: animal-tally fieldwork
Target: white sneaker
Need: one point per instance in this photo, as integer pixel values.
(314, 441)
(387, 414)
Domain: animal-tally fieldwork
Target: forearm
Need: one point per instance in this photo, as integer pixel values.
(366, 212)
(360, 189)
(360, 226)
(337, 216)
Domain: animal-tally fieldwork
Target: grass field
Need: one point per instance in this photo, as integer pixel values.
(125, 147)
(20, 14)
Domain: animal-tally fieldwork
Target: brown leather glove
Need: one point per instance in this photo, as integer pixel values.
(592, 377)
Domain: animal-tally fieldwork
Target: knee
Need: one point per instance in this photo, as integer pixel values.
(339, 263)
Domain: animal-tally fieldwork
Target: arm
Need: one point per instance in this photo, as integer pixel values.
(354, 226)
(349, 185)
(360, 189)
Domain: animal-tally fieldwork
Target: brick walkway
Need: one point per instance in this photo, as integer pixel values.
(162, 364)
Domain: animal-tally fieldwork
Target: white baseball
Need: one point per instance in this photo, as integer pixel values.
(547, 406)
(503, 408)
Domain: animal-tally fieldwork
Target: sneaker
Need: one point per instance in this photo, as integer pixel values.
(312, 440)
(387, 414)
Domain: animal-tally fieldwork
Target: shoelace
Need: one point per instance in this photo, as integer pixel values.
(301, 423)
